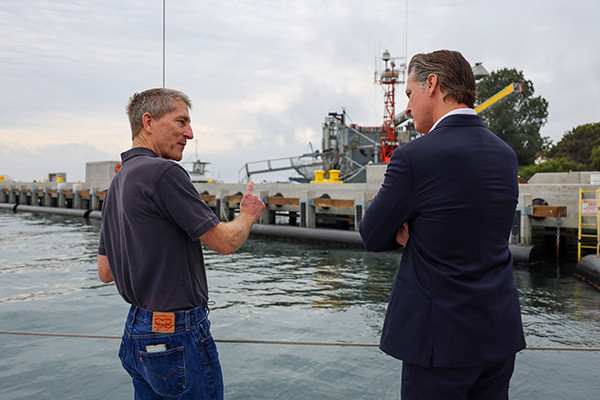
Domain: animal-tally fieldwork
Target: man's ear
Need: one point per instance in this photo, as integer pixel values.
(148, 121)
(432, 84)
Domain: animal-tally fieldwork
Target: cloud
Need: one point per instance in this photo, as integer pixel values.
(35, 163)
(262, 75)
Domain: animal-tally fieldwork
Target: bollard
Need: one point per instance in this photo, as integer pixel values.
(319, 176)
(334, 176)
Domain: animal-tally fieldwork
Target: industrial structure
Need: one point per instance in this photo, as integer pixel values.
(349, 148)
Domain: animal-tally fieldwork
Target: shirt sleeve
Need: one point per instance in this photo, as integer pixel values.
(101, 247)
(392, 206)
(179, 201)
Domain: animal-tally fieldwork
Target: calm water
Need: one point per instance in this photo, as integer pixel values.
(267, 290)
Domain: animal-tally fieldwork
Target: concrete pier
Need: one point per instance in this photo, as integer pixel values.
(549, 202)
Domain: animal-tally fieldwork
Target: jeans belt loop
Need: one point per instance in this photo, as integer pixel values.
(133, 318)
(187, 320)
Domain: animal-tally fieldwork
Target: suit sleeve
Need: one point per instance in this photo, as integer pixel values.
(393, 205)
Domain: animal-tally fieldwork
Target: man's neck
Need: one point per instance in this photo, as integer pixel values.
(452, 111)
(140, 140)
(445, 107)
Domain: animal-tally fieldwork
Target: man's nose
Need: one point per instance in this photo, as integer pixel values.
(189, 134)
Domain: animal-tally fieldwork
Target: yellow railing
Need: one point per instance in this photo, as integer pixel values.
(588, 209)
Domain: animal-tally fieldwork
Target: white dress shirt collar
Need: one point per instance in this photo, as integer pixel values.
(462, 111)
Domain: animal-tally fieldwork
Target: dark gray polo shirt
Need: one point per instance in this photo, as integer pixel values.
(152, 217)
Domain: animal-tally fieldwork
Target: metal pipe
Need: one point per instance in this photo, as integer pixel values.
(54, 210)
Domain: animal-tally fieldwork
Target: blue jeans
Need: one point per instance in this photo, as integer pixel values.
(179, 365)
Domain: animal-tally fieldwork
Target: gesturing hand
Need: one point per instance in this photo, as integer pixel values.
(251, 203)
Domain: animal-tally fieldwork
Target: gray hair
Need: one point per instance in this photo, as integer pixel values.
(157, 102)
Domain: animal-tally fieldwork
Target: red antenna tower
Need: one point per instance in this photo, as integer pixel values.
(389, 78)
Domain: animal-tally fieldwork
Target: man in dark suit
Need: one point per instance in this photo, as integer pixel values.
(454, 316)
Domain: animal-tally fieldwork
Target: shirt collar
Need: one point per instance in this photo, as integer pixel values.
(137, 151)
(457, 111)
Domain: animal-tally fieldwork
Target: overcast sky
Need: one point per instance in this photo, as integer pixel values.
(262, 74)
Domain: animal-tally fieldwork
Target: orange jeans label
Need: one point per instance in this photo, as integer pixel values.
(163, 322)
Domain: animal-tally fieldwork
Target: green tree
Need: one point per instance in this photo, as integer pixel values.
(595, 164)
(517, 119)
(577, 145)
(560, 164)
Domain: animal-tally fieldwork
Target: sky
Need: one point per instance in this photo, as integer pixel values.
(262, 74)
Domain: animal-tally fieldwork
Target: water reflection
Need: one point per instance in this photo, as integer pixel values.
(266, 273)
(47, 256)
(268, 289)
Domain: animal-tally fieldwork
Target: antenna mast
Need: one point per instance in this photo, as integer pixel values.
(389, 78)
(164, 34)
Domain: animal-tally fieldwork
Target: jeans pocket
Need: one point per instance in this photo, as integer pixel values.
(165, 371)
(123, 357)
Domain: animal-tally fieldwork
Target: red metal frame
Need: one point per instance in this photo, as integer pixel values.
(388, 142)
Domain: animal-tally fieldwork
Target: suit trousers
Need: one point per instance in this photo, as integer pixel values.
(483, 382)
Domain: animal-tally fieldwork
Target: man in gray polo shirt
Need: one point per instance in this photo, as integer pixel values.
(150, 244)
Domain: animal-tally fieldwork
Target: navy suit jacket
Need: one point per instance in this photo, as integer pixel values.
(454, 302)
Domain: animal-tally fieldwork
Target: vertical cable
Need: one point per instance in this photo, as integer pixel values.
(164, 43)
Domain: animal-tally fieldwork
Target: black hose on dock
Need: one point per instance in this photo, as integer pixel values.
(312, 234)
(588, 269)
(8, 206)
(95, 214)
(54, 210)
(522, 254)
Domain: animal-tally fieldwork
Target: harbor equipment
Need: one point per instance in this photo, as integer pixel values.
(389, 78)
(349, 147)
(512, 88)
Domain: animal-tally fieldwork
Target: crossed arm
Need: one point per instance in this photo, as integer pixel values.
(224, 238)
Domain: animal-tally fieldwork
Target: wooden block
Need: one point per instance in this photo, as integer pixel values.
(283, 201)
(549, 211)
(236, 198)
(208, 197)
(323, 202)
